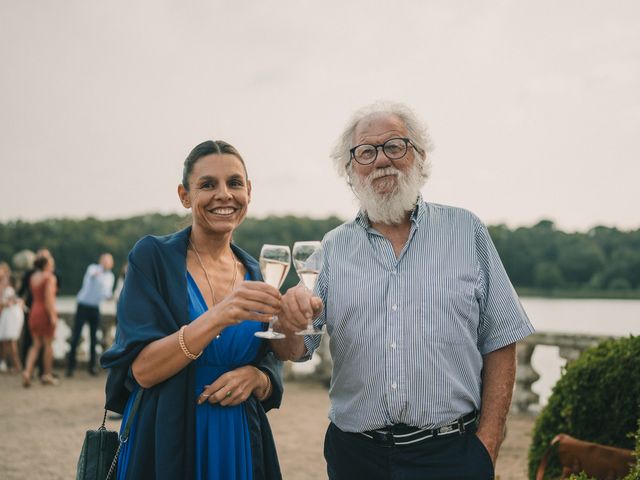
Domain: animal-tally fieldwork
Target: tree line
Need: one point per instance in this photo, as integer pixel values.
(540, 259)
(603, 261)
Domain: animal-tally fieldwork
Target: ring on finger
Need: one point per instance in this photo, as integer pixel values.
(228, 394)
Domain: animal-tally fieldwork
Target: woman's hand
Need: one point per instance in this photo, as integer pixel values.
(249, 301)
(234, 387)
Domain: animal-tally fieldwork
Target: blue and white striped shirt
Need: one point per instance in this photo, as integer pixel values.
(407, 333)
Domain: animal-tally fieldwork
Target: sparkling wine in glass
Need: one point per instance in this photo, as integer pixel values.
(275, 261)
(307, 258)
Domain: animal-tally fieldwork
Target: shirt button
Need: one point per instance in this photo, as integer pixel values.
(394, 307)
(393, 344)
(394, 385)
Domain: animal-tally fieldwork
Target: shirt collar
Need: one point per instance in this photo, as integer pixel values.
(417, 214)
(419, 211)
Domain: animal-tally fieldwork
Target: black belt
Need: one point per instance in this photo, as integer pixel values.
(406, 435)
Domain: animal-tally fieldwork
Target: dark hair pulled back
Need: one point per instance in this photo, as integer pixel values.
(40, 262)
(209, 147)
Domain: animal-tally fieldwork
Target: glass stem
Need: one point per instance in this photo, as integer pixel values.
(273, 320)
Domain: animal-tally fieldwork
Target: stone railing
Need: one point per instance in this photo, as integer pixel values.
(570, 346)
(319, 368)
(106, 332)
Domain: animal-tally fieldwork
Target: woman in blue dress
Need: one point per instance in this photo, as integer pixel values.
(187, 315)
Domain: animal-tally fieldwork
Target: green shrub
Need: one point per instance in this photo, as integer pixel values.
(580, 476)
(597, 399)
(634, 474)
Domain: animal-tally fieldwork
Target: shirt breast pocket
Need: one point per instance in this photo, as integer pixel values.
(450, 314)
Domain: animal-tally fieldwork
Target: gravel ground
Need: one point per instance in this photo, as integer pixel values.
(42, 429)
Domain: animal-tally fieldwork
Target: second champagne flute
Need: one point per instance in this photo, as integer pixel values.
(275, 261)
(307, 258)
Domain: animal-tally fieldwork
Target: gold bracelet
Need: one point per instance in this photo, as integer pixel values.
(184, 348)
(267, 392)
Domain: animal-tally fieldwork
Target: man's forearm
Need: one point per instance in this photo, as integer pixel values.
(498, 377)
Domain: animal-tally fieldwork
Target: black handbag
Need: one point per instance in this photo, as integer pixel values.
(99, 455)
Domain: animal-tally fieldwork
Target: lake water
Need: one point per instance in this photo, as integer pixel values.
(586, 316)
(579, 316)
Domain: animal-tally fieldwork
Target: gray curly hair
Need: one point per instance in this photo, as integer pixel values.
(418, 135)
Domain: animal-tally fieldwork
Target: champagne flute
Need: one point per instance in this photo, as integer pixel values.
(275, 261)
(307, 258)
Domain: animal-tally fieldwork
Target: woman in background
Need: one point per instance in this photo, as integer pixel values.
(11, 320)
(43, 319)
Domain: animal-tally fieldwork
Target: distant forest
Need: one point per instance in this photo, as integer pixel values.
(540, 260)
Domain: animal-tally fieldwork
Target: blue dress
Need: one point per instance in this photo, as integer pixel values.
(154, 304)
(222, 446)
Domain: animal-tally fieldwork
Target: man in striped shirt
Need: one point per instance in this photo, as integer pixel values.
(421, 315)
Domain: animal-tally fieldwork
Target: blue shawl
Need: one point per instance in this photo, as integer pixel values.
(154, 304)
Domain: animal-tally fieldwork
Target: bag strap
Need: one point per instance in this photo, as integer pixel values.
(124, 436)
(104, 420)
(132, 414)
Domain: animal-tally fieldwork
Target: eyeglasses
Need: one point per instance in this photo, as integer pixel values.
(394, 149)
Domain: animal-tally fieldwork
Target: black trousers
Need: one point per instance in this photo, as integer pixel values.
(84, 313)
(455, 456)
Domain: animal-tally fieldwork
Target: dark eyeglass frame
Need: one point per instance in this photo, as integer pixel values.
(407, 144)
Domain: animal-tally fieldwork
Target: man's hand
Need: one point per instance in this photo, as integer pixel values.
(498, 376)
(299, 307)
(491, 444)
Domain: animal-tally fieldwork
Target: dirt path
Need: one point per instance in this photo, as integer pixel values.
(42, 429)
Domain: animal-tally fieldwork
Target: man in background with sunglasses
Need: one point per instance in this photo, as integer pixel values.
(422, 318)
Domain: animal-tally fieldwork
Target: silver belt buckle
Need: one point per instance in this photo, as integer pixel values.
(445, 429)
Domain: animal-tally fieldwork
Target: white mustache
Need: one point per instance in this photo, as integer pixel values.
(390, 208)
(383, 173)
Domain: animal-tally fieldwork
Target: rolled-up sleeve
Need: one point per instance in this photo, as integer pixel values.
(502, 319)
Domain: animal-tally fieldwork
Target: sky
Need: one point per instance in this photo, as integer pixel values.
(533, 106)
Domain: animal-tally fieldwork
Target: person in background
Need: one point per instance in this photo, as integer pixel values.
(11, 320)
(24, 292)
(43, 319)
(4, 283)
(423, 320)
(97, 285)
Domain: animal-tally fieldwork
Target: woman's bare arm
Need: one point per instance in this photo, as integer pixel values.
(50, 289)
(164, 358)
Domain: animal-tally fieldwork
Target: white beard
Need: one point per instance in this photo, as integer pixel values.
(389, 208)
